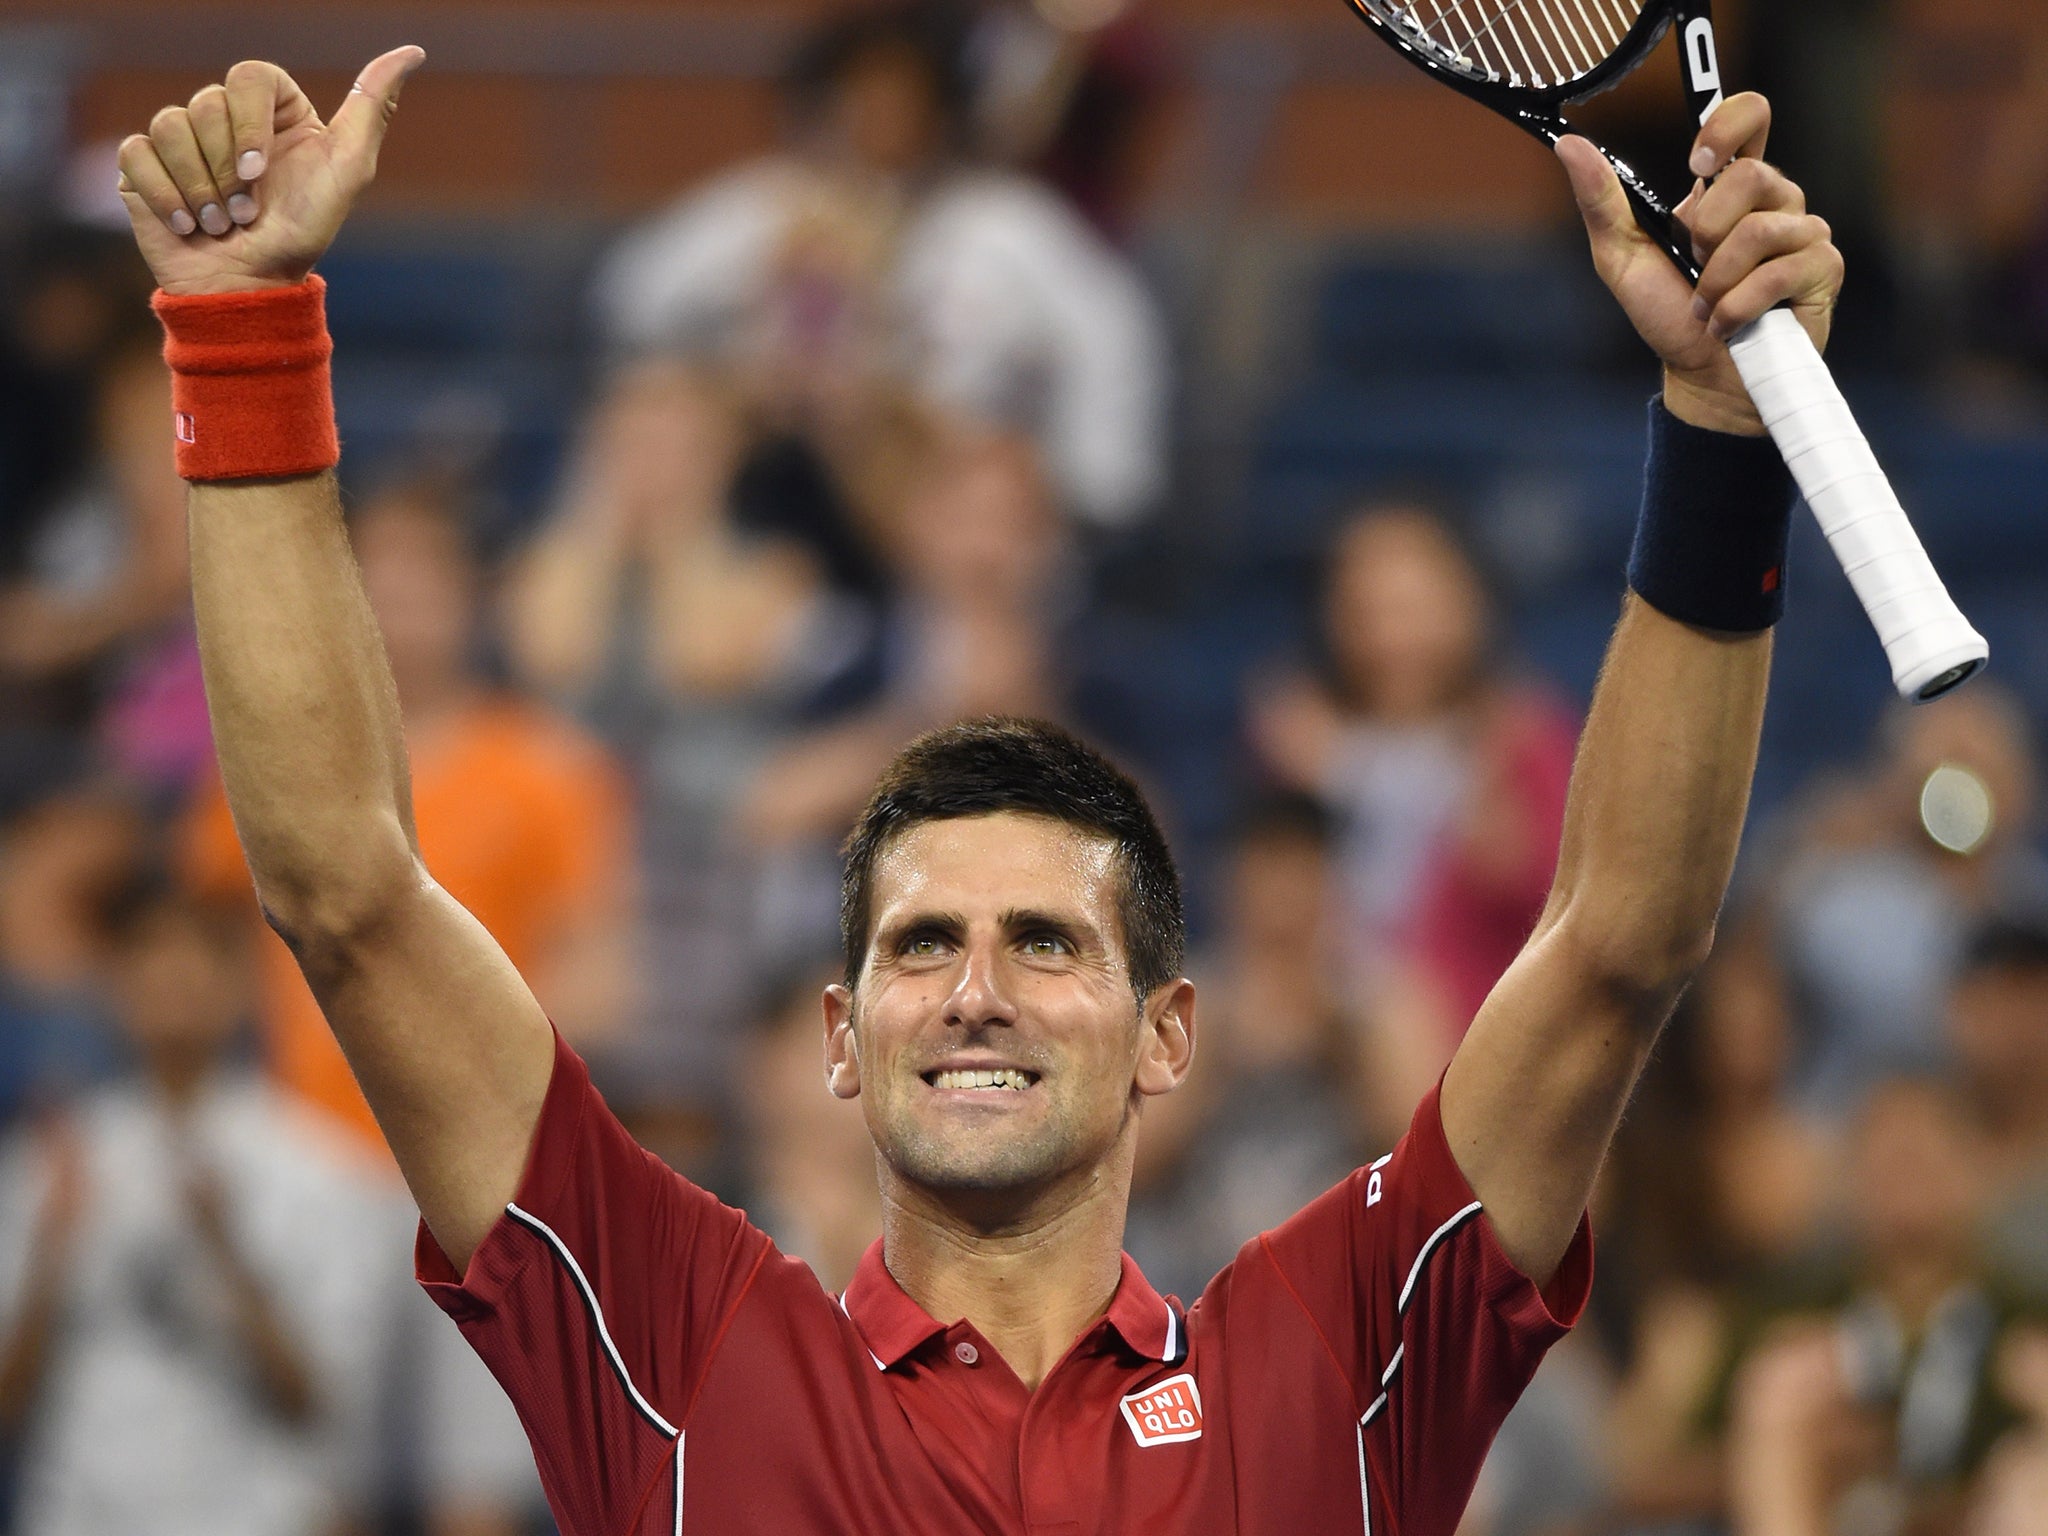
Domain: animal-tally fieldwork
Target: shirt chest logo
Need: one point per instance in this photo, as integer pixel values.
(1165, 1413)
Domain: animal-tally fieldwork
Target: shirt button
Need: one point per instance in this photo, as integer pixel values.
(966, 1353)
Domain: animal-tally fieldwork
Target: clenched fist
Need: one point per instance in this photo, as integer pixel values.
(245, 187)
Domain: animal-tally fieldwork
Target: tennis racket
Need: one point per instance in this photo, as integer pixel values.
(1528, 60)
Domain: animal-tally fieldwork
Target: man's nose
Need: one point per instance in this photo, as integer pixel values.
(981, 995)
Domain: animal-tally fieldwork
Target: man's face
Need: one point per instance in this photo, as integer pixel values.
(993, 1038)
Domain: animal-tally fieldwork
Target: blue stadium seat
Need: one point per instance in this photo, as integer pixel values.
(1529, 309)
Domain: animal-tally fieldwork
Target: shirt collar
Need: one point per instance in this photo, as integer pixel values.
(889, 1322)
(892, 1325)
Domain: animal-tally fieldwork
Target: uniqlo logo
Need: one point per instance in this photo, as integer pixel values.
(187, 432)
(1166, 1413)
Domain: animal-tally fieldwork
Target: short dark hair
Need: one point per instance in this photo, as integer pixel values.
(981, 767)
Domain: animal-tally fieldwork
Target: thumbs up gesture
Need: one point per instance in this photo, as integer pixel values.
(245, 187)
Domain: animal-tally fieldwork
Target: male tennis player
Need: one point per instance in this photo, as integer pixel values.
(1012, 996)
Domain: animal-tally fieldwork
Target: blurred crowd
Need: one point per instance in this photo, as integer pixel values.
(876, 413)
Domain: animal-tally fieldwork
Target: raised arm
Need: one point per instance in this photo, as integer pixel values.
(233, 199)
(1661, 785)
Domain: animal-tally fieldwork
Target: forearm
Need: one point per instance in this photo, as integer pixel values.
(1658, 796)
(305, 715)
(1661, 784)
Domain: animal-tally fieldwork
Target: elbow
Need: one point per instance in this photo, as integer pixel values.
(1643, 960)
(327, 914)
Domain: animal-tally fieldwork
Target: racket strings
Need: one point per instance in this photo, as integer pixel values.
(1538, 43)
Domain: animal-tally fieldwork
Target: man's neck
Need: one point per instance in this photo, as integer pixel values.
(1031, 1287)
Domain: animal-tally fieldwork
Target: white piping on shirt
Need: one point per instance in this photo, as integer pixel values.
(534, 1224)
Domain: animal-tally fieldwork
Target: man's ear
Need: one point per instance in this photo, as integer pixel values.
(842, 1049)
(1166, 1049)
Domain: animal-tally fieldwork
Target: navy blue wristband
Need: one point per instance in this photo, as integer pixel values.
(1717, 512)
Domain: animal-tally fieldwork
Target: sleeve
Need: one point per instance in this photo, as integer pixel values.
(597, 1301)
(1436, 1330)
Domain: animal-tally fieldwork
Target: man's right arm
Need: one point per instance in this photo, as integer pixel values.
(450, 1047)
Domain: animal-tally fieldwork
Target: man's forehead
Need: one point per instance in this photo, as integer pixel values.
(1004, 859)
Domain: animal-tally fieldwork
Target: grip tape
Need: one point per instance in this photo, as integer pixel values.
(1929, 643)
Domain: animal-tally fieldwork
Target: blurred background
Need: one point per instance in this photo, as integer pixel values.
(730, 392)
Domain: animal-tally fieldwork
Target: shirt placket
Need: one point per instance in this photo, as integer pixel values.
(1051, 1463)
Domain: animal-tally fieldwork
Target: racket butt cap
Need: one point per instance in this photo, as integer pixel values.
(1944, 673)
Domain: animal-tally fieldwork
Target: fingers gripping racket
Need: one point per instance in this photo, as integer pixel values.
(1528, 60)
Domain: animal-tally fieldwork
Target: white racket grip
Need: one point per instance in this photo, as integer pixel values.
(1929, 643)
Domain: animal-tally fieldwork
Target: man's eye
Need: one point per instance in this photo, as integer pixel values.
(921, 944)
(1045, 945)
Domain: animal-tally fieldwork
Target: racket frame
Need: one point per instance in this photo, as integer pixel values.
(1539, 110)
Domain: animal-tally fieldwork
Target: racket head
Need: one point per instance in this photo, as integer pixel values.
(1526, 59)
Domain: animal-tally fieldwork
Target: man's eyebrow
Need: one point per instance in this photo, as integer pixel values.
(911, 922)
(1067, 924)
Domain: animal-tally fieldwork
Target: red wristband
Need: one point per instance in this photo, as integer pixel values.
(250, 393)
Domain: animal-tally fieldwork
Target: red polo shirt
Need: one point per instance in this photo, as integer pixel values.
(675, 1372)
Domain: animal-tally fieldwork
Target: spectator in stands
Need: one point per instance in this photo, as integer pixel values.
(1875, 1393)
(694, 645)
(1446, 775)
(976, 631)
(869, 261)
(1890, 873)
(62, 862)
(641, 554)
(1716, 1178)
(1271, 1120)
(1063, 87)
(810, 1178)
(92, 523)
(189, 1266)
(1998, 1030)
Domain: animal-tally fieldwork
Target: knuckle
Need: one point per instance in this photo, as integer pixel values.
(168, 121)
(1750, 175)
(208, 101)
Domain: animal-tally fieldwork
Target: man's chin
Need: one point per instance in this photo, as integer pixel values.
(943, 1167)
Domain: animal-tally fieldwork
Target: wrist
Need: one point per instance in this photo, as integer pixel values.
(226, 282)
(251, 396)
(1716, 518)
(1711, 406)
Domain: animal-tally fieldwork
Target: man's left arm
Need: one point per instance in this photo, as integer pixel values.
(1661, 784)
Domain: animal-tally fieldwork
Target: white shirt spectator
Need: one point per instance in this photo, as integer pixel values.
(149, 1420)
(1011, 308)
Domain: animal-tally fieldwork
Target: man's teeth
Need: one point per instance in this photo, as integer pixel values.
(1000, 1077)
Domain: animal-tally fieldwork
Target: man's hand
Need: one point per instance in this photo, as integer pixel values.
(245, 187)
(1756, 242)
